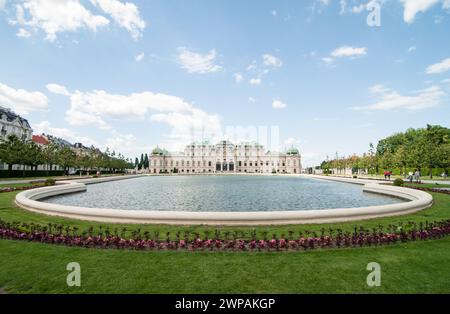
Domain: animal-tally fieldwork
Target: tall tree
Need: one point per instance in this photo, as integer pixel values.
(11, 151)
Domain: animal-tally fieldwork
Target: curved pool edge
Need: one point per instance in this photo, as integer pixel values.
(29, 200)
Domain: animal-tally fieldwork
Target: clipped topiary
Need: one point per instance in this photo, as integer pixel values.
(50, 182)
(399, 182)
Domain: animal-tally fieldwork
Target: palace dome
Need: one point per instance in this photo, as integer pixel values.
(292, 151)
(157, 151)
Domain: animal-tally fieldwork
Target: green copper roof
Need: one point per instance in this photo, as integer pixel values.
(292, 151)
(157, 151)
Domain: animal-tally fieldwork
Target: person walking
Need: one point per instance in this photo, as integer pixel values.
(410, 177)
(417, 176)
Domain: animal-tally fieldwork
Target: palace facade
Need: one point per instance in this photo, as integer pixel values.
(225, 157)
(12, 123)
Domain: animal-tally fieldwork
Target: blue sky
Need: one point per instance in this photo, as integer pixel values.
(134, 74)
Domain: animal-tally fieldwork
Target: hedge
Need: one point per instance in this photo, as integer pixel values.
(43, 173)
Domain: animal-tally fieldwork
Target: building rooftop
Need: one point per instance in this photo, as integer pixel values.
(40, 139)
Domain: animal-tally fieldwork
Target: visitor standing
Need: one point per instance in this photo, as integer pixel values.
(417, 176)
(410, 176)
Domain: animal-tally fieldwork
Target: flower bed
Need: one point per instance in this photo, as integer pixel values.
(224, 241)
(436, 190)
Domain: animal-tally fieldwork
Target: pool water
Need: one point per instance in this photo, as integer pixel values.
(223, 193)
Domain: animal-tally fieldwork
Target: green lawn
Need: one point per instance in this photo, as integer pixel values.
(420, 267)
(21, 185)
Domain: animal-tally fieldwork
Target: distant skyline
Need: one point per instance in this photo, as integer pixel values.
(131, 75)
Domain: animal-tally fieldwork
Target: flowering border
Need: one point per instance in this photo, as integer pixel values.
(224, 240)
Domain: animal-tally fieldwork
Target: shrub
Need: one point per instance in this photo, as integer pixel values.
(50, 182)
(355, 177)
(398, 182)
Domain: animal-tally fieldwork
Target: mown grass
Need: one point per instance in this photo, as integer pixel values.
(21, 185)
(419, 267)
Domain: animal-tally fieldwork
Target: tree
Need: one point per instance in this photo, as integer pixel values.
(31, 155)
(11, 151)
(49, 156)
(141, 163)
(66, 158)
(146, 162)
(435, 137)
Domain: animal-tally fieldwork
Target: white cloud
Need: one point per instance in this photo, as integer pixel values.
(139, 57)
(391, 100)
(56, 16)
(22, 101)
(412, 48)
(57, 89)
(446, 5)
(272, 61)
(347, 51)
(278, 104)
(125, 14)
(323, 2)
(2, 4)
(291, 141)
(252, 66)
(255, 81)
(274, 13)
(412, 7)
(251, 99)
(238, 78)
(23, 33)
(123, 143)
(440, 67)
(96, 107)
(358, 8)
(195, 62)
(64, 133)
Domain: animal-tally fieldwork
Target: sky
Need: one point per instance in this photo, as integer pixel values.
(326, 76)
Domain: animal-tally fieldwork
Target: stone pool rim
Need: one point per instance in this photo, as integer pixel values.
(416, 201)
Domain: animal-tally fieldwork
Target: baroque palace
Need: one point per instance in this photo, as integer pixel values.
(225, 157)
